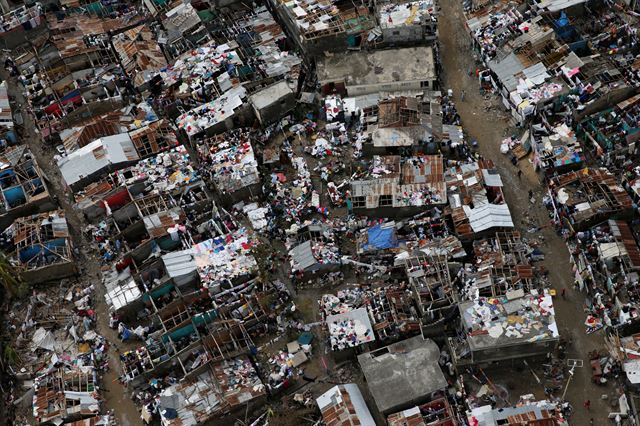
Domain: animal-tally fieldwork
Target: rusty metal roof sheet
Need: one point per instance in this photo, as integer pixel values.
(86, 24)
(629, 242)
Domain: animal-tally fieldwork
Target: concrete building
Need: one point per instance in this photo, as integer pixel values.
(361, 73)
(273, 102)
(407, 22)
(401, 124)
(232, 164)
(257, 58)
(403, 374)
(513, 326)
(344, 405)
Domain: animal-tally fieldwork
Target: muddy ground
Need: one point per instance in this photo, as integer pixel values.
(489, 129)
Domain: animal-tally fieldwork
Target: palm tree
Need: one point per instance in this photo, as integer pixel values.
(10, 278)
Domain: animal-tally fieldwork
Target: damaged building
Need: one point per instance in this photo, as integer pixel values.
(399, 186)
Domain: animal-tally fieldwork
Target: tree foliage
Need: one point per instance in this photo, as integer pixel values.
(12, 283)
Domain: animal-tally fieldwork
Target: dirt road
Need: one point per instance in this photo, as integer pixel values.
(489, 129)
(115, 397)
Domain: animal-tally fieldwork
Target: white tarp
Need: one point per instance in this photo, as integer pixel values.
(43, 339)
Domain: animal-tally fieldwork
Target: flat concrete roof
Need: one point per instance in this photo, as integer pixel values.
(378, 67)
(272, 94)
(403, 373)
(517, 319)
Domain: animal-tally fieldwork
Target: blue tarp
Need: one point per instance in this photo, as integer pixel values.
(380, 238)
(11, 137)
(578, 45)
(563, 21)
(28, 253)
(15, 196)
(305, 338)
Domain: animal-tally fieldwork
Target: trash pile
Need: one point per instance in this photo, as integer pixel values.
(58, 350)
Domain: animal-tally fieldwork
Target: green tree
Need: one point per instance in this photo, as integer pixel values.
(12, 283)
(10, 355)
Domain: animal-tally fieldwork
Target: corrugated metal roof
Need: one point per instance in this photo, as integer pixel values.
(535, 72)
(302, 256)
(506, 70)
(13, 155)
(343, 405)
(558, 5)
(157, 224)
(628, 102)
(489, 216)
(6, 118)
(572, 61)
(179, 263)
(628, 240)
(97, 155)
(425, 169)
(123, 295)
(491, 177)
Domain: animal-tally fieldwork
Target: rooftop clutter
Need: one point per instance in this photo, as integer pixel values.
(26, 17)
(412, 13)
(164, 172)
(230, 160)
(395, 182)
(330, 25)
(314, 250)
(224, 258)
(215, 217)
(529, 318)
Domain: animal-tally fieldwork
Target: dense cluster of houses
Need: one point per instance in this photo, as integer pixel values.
(223, 160)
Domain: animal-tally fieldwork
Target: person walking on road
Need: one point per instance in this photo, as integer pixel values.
(519, 174)
(587, 404)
